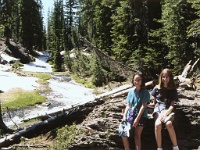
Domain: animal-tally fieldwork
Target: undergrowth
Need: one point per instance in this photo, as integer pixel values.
(65, 136)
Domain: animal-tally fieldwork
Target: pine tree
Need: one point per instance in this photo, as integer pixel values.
(154, 59)
(58, 32)
(6, 17)
(174, 32)
(123, 31)
(193, 30)
(32, 25)
(130, 32)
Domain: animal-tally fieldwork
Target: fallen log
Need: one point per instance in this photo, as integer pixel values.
(76, 114)
(186, 70)
(183, 80)
(192, 68)
(27, 132)
(120, 94)
(117, 90)
(31, 146)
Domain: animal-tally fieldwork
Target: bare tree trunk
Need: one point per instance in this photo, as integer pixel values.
(3, 127)
(7, 35)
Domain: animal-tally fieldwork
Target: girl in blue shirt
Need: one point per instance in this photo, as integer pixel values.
(140, 96)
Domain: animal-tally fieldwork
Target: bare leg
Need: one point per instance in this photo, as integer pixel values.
(172, 133)
(137, 137)
(158, 133)
(126, 143)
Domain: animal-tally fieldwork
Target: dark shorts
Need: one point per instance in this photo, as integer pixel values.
(143, 121)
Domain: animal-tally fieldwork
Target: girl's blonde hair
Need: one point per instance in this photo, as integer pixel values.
(171, 84)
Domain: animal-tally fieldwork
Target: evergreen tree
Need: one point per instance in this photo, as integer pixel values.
(193, 30)
(86, 15)
(50, 33)
(123, 31)
(6, 8)
(130, 32)
(102, 22)
(58, 30)
(16, 21)
(154, 59)
(95, 19)
(174, 32)
(32, 25)
(70, 12)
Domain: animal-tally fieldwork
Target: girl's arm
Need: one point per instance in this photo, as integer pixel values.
(168, 111)
(142, 108)
(154, 100)
(128, 99)
(125, 112)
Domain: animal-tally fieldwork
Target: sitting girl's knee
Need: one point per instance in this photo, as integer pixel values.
(169, 125)
(158, 126)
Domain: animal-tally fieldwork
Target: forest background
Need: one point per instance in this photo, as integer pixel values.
(146, 35)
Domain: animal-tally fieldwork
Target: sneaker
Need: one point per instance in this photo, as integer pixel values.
(175, 148)
(169, 117)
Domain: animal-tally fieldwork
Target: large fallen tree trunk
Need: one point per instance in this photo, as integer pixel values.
(66, 117)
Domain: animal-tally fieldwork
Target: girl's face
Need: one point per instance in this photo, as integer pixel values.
(165, 79)
(137, 81)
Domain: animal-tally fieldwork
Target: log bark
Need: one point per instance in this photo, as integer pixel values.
(186, 70)
(195, 63)
(117, 90)
(184, 81)
(75, 114)
(15, 138)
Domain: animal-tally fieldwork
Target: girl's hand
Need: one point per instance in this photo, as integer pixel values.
(124, 119)
(135, 123)
(163, 116)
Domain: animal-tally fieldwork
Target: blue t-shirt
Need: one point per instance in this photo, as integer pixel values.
(139, 97)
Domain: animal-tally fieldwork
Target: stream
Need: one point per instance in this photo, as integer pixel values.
(65, 93)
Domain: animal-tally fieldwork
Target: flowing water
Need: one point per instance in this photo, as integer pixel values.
(65, 93)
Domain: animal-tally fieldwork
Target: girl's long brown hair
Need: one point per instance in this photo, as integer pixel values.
(171, 84)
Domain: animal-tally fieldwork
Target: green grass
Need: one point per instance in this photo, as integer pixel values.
(42, 77)
(21, 98)
(85, 81)
(18, 98)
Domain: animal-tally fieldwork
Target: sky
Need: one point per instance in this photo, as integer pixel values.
(47, 5)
